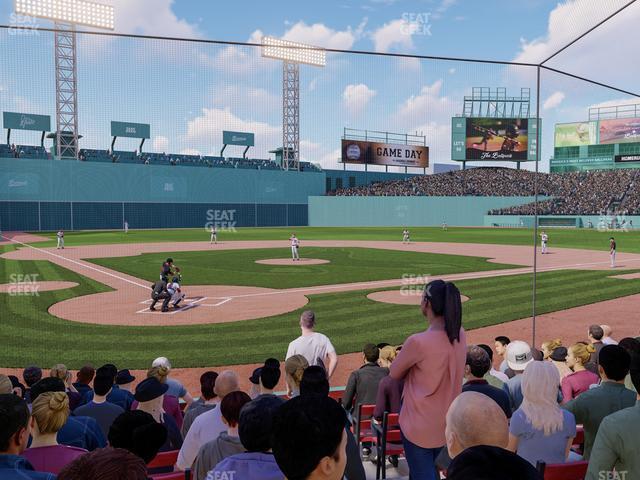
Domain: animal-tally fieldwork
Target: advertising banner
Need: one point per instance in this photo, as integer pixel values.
(626, 158)
(26, 121)
(237, 138)
(575, 134)
(620, 130)
(375, 153)
(132, 130)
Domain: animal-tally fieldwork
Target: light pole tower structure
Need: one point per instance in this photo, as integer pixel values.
(66, 14)
(292, 55)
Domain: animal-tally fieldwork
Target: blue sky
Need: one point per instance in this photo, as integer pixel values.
(190, 92)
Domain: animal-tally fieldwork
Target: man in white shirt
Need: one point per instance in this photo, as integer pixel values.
(209, 425)
(607, 339)
(313, 346)
(60, 236)
(295, 244)
(544, 239)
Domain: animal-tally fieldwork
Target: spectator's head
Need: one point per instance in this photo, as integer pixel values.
(314, 381)
(500, 344)
(487, 349)
(102, 385)
(60, 371)
(272, 362)
(226, 383)
(371, 353)
(308, 320)
(31, 375)
(17, 387)
(559, 354)
(309, 438)
(106, 464)
(537, 354)
(388, 354)
(549, 346)
(634, 372)
(441, 302)
(207, 385)
(269, 378)
(294, 367)
(14, 424)
(614, 363)
(150, 392)
(137, 432)
(579, 354)
(256, 423)
(231, 406)
(85, 374)
(124, 378)
(596, 333)
(631, 345)
(162, 361)
(47, 384)
(475, 419)
(160, 373)
(518, 355)
(540, 384)
(5, 384)
(607, 330)
(478, 363)
(50, 412)
(108, 369)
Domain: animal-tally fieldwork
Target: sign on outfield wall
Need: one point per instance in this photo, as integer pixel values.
(237, 138)
(26, 121)
(626, 158)
(132, 130)
(375, 153)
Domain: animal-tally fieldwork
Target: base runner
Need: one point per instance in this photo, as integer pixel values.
(295, 245)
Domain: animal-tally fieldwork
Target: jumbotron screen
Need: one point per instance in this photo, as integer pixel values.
(497, 139)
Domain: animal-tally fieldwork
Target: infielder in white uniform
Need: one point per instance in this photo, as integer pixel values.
(60, 236)
(544, 239)
(126, 227)
(175, 291)
(295, 244)
(214, 234)
(612, 251)
(405, 236)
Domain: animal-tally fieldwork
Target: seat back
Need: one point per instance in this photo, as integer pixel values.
(362, 422)
(164, 459)
(563, 471)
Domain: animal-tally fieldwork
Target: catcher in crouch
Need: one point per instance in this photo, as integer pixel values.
(175, 291)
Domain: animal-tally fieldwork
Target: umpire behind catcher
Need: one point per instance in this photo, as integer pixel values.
(159, 292)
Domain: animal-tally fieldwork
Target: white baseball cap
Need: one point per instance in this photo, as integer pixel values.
(519, 355)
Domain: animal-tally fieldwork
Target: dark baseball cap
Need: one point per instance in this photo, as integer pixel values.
(150, 389)
(124, 377)
(255, 376)
(559, 354)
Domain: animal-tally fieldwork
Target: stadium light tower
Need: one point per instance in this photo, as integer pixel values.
(292, 55)
(66, 14)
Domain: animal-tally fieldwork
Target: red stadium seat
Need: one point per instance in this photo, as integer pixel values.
(388, 441)
(164, 460)
(578, 441)
(337, 393)
(172, 476)
(362, 424)
(563, 471)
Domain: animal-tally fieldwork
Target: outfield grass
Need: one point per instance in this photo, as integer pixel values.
(238, 267)
(568, 238)
(29, 334)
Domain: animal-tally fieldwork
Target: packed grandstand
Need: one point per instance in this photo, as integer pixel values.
(576, 193)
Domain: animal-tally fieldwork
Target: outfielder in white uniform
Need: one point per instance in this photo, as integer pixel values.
(612, 251)
(544, 239)
(126, 227)
(214, 234)
(405, 236)
(176, 292)
(60, 236)
(295, 244)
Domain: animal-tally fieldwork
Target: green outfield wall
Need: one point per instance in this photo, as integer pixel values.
(400, 211)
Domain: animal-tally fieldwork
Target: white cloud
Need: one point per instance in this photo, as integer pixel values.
(205, 131)
(391, 35)
(452, 71)
(442, 8)
(151, 17)
(553, 100)
(428, 101)
(331, 159)
(616, 102)
(356, 97)
(160, 144)
(320, 35)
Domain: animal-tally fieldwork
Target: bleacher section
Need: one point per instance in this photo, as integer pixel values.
(23, 151)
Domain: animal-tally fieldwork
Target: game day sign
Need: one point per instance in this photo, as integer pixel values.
(375, 153)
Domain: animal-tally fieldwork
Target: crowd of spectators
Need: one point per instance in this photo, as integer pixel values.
(459, 416)
(574, 193)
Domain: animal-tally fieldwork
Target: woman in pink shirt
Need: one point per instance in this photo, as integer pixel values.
(581, 379)
(432, 366)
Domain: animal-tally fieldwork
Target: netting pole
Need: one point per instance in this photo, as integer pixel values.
(535, 211)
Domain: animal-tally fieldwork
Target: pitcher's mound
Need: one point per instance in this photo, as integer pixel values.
(401, 297)
(288, 261)
(32, 288)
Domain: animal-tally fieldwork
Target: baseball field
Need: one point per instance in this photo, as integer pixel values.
(89, 302)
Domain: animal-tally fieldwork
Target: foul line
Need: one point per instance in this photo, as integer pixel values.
(75, 262)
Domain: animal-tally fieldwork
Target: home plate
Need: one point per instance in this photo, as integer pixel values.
(187, 304)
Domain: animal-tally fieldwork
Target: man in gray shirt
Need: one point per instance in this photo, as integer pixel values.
(99, 408)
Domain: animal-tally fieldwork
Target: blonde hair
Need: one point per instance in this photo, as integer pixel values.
(51, 411)
(295, 366)
(59, 371)
(5, 384)
(582, 351)
(160, 373)
(388, 354)
(551, 345)
(540, 382)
